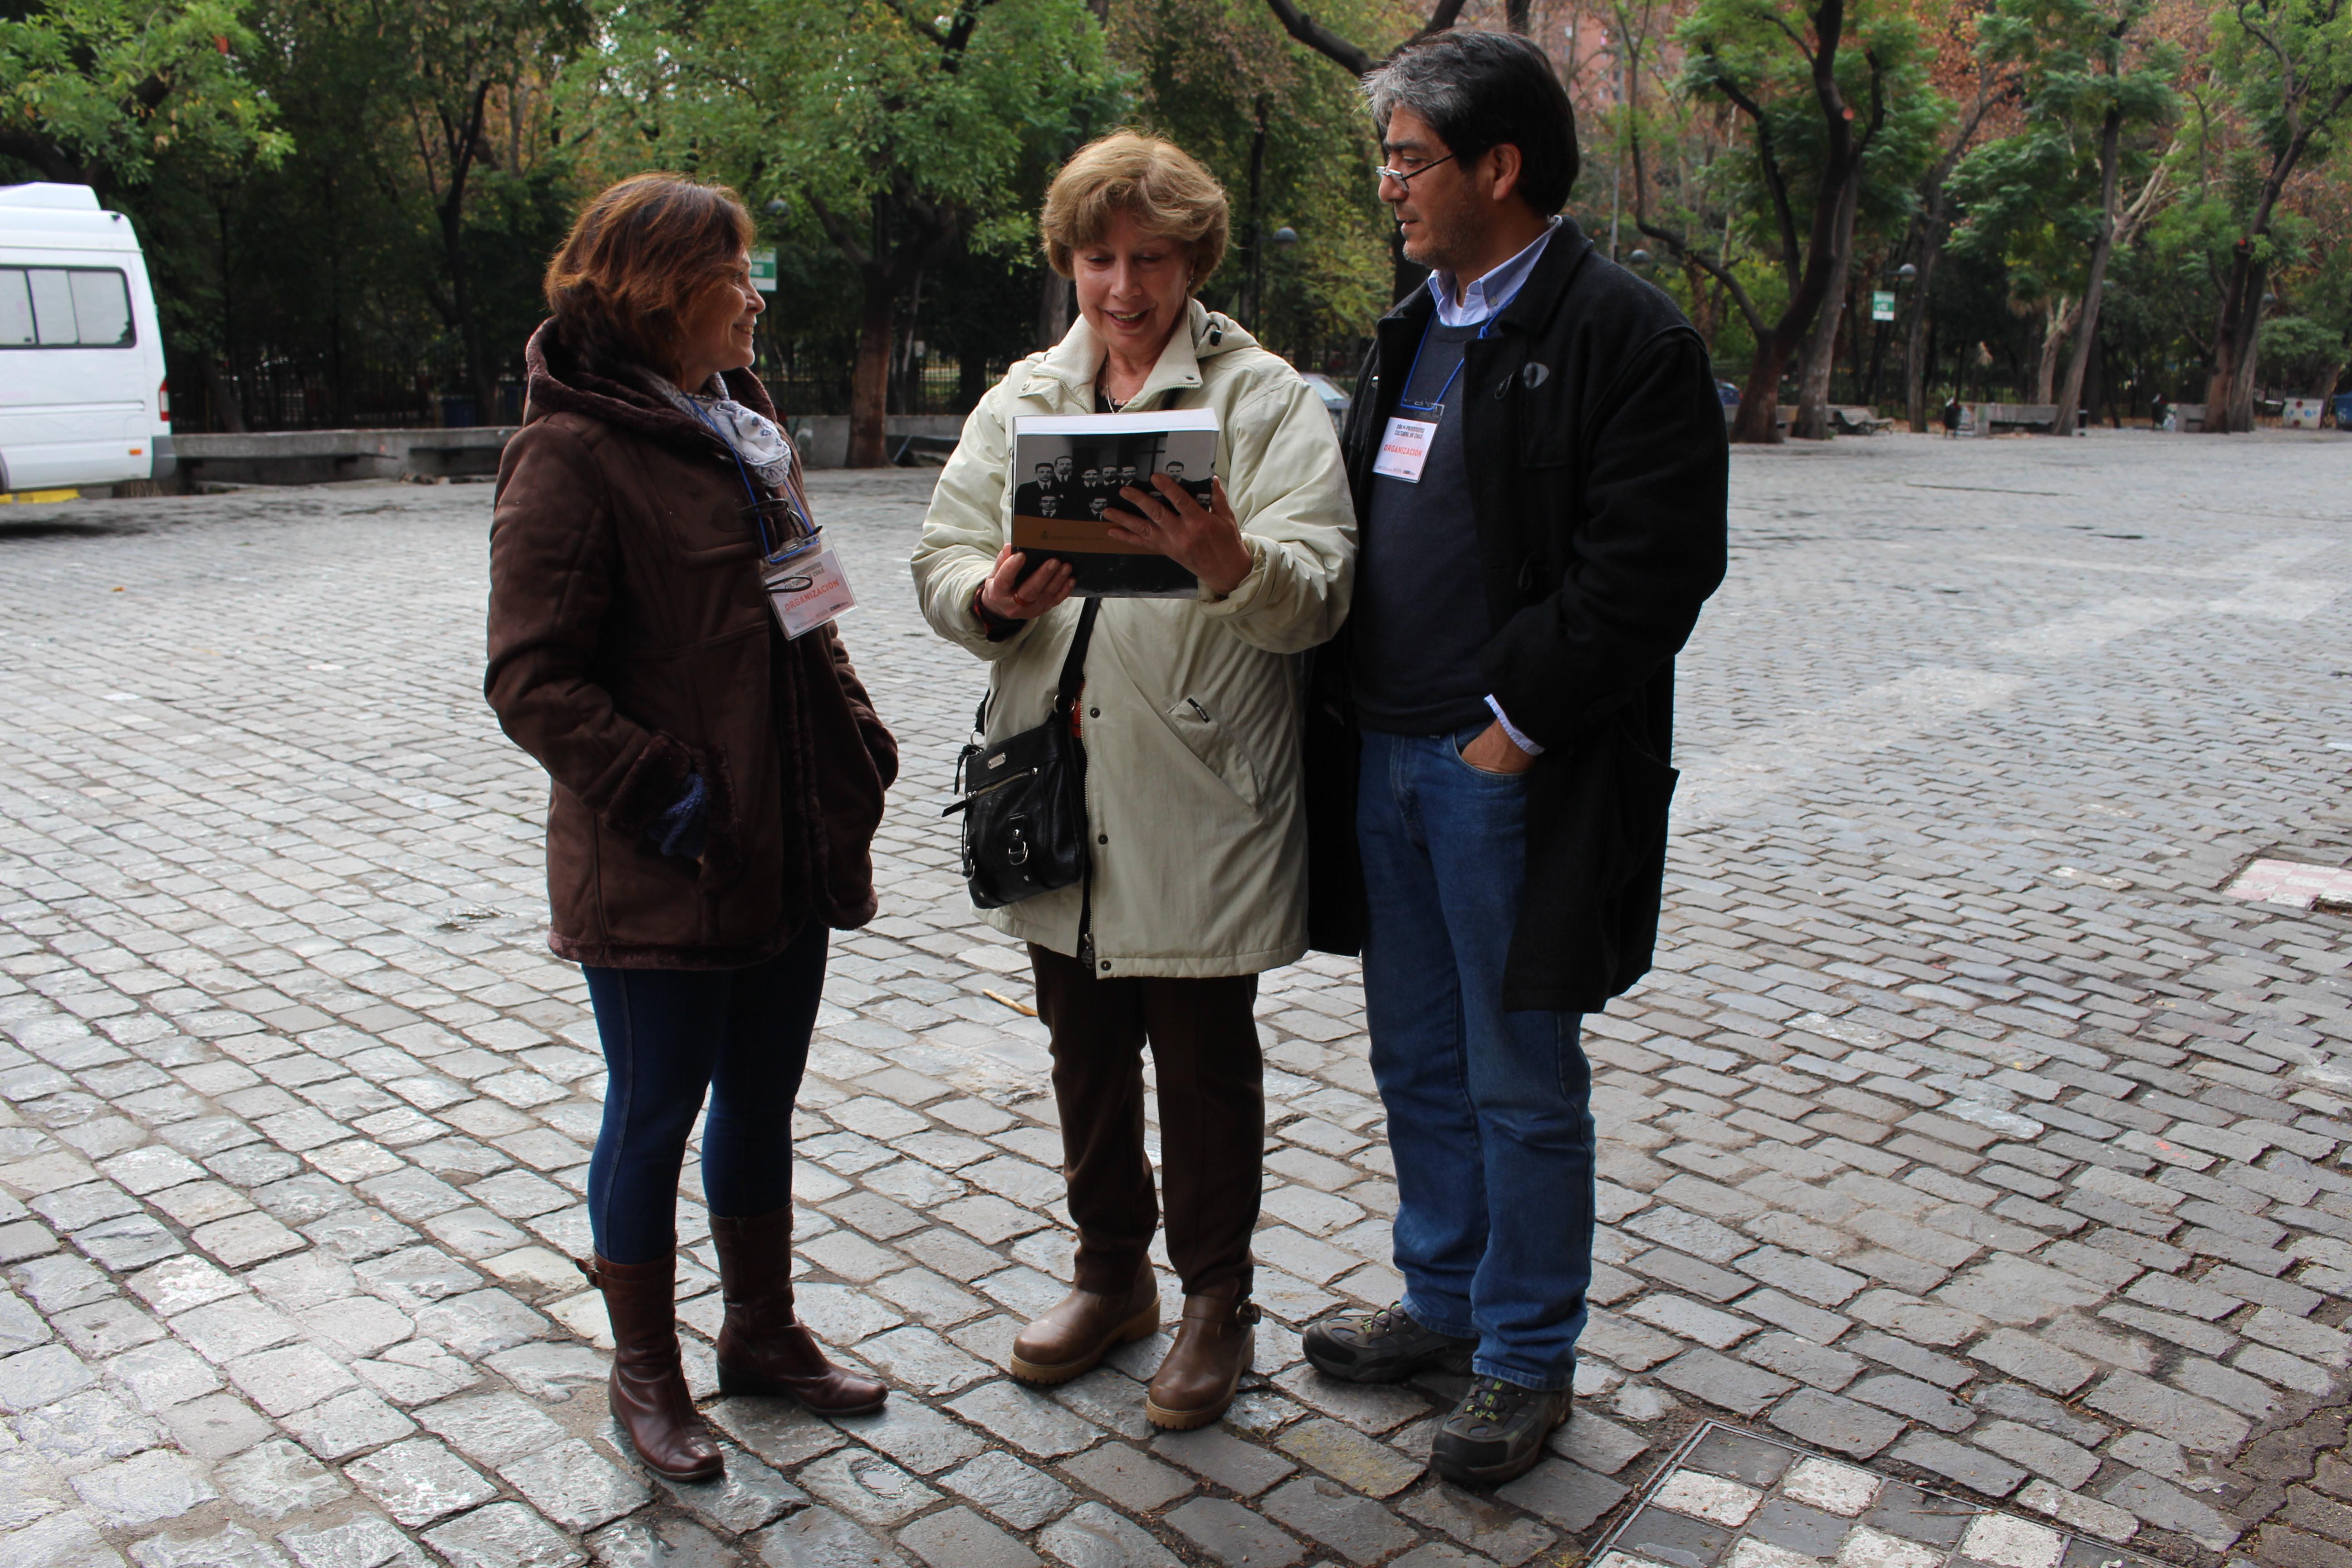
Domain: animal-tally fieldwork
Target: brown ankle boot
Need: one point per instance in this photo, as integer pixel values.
(1070, 1340)
(1196, 1383)
(762, 1349)
(648, 1384)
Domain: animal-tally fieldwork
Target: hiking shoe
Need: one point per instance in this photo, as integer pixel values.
(1497, 1432)
(1383, 1346)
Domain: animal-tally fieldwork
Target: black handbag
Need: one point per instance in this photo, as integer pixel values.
(1024, 799)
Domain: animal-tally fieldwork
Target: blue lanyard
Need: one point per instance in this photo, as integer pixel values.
(1437, 403)
(768, 552)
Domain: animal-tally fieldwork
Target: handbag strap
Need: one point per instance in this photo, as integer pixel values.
(1074, 668)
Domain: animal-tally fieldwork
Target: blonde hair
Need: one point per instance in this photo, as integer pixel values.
(1159, 185)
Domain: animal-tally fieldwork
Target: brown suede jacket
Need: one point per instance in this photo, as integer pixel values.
(631, 643)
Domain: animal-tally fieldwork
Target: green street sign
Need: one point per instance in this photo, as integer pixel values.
(763, 271)
(1882, 301)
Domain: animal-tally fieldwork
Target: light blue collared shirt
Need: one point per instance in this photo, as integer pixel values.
(1486, 295)
(1483, 300)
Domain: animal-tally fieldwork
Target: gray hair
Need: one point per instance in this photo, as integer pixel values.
(1479, 90)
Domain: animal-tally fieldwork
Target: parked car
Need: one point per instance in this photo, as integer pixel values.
(82, 394)
(1334, 400)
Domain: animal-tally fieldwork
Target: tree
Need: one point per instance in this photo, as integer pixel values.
(93, 92)
(2086, 78)
(1779, 63)
(2290, 63)
(900, 134)
(452, 70)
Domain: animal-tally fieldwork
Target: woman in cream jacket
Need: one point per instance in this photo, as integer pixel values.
(1190, 716)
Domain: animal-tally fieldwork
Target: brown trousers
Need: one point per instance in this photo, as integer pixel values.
(1204, 1039)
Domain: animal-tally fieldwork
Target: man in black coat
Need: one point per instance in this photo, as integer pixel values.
(1538, 452)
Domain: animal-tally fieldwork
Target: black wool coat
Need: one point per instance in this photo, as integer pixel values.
(1597, 477)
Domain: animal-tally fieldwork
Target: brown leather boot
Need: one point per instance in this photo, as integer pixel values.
(762, 1349)
(1070, 1340)
(648, 1383)
(1212, 1348)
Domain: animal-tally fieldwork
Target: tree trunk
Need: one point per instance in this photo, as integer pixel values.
(2056, 319)
(869, 383)
(2087, 332)
(1056, 308)
(1918, 352)
(2249, 349)
(1812, 421)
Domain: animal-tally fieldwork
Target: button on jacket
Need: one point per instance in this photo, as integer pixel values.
(1192, 707)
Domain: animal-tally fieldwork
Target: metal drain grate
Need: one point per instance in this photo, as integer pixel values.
(1729, 1498)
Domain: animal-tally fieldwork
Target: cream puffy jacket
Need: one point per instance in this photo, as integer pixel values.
(1191, 713)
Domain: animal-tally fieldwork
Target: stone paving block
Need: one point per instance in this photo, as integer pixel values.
(232, 1546)
(1970, 1466)
(290, 1378)
(1128, 1477)
(1215, 1455)
(643, 1541)
(573, 1485)
(2041, 1453)
(820, 1538)
(503, 1535)
(1718, 1380)
(1026, 1420)
(1023, 1497)
(155, 1485)
(1092, 1536)
(2194, 1423)
(337, 1428)
(1349, 1457)
(41, 1375)
(61, 1541)
(2168, 1508)
(86, 1429)
(958, 1538)
(867, 1488)
(747, 1495)
(215, 1426)
(779, 1431)
(1233, 1535)
(368, 1542)
(2033, 1361)
(1499, 1534)
(1569, 1496)
(1657, 1535)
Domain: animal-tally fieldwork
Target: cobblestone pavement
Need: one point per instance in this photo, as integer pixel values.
(1967, 1129)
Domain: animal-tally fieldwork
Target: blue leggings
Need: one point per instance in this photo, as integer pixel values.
(670, 1034)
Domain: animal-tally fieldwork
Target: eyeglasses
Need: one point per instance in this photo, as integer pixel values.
(1406, 178)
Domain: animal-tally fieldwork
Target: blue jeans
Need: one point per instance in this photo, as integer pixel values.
(1490, 1117)
(671, 1035)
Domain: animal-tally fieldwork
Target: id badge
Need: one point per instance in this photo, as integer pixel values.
(808, 591)
(1404, 447)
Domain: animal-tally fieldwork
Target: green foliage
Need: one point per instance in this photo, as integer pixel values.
(1198, 70)
(826, 106)
(2031, 199)
(1759, 54)
(99, 91)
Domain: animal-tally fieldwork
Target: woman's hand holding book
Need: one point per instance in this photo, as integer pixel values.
(1204, 541)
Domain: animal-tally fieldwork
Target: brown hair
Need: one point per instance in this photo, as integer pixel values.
(637, 258)
(1156, 182)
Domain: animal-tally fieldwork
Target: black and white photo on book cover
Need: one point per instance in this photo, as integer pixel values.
(1068, 470)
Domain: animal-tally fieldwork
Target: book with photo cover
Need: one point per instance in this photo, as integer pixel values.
(1067, 471)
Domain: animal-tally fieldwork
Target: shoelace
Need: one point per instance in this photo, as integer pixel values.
(1491, 1398)
(1390, 1317)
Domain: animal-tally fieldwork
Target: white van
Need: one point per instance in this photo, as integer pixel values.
(82, 394)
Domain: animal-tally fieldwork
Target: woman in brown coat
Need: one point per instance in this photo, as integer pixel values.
(716, 782)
